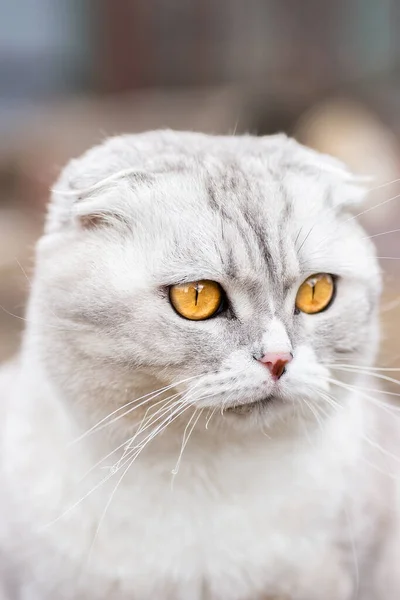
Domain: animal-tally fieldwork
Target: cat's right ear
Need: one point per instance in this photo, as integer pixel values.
(106, 202)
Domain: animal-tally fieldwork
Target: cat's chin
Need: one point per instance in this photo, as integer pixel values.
(250, 407)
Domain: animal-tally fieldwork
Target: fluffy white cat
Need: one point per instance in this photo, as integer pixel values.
(190, 416)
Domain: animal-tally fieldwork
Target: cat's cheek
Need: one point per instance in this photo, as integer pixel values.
(351, 334)
(305, 373)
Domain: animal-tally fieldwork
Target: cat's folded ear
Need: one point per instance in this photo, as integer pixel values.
(107, 201)
(350, 190)
(347, 189)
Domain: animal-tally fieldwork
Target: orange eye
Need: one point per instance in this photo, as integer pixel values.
(198, 300)
(315, 293)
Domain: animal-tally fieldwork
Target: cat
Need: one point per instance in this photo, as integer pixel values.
(190, 416)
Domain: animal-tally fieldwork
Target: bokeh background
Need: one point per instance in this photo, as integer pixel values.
(73, 72)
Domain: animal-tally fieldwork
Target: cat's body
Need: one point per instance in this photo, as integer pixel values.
(272, 499)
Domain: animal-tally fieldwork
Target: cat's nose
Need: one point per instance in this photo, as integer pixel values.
(276, 362)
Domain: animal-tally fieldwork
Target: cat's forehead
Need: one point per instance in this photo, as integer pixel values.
(221, 223)
(242, 201)
(224, 221)
(232, 165)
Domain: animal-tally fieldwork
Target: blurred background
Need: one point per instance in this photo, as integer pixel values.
(73, 72)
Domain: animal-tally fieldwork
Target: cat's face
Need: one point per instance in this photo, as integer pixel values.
(188, 268)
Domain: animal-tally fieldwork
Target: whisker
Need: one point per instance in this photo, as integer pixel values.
(365, 368)
(388, 257)
(225, 402)
(330, 400)
(47, 326)
(136, 450)
(121, 416)
(186, 439)
(378, 447)
(78, 502)
(382, 185)
(23, 271)
(186, 402)
(381, 449)
(316, 416)
(369, 237)
(297, 236)
(389, 408)
(302, 421)
(369, 373)
(306, 238)
(153, 394)
(378, 391)
(111, 473)
(236, 126)
(379, 470)
(103, 515)
(166, 404)
(390, 305)
(144, 426)
(210, 417)
(367, 210)
(99, 462)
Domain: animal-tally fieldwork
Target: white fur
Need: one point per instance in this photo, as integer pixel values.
(268, 503)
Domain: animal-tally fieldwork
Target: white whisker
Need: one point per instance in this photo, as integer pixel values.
(145, 425)
(210, 417)
(367, 210)
(389, 408)
(390, 305)
(369, 237)
(369, 373)
(379, 470)
(46, 326)
(112, 472)
(136, 450)
(78, 502)
(149, 396)
(382, 185)
(102, 516)
(381, 449)
(313, 411)
(186, 439)
(99, 462)
(348, 365)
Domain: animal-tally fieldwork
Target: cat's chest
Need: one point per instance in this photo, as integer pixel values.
(234, 535)
(244, 525)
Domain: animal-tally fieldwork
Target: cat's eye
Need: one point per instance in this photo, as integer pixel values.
(315, 294)
(198, 300)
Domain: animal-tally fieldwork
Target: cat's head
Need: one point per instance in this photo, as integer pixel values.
(230, 268)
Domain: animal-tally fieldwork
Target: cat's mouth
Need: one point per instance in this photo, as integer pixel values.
(247, 407)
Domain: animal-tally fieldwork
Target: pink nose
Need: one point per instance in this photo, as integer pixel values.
(276, 362)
